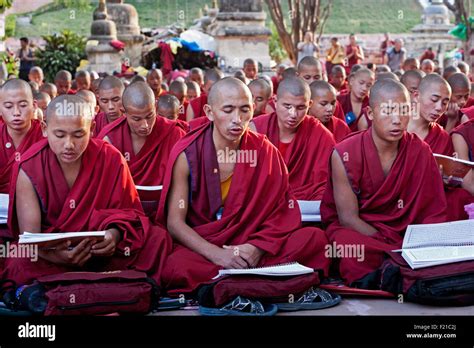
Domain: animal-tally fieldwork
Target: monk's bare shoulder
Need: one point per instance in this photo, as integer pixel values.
(27, 204)
(460, 146)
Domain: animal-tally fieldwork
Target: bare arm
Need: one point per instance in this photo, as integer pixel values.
(189, 113)
(362, 124)
(462, 151)
(177, 204)
(345, 199)
(27, 205)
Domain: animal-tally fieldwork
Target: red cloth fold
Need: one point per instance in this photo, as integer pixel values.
(197, 104)
(338, 128)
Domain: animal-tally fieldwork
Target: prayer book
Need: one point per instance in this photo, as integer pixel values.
(281, 270)
(438, 244)
(310, 211)
(51, 239)
(452, 166)
(3, 208)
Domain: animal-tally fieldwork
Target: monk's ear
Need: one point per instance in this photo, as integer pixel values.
(207, 109)
(310, 104)
(416, 96)
(35, 104)
(44, 127)
(92, 126)
(370, 113)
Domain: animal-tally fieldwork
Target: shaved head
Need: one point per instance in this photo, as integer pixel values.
(412, 75)
(17, 84)
(227, 83)
(338, 69)
(88, 96)
(138, 78)
(363, 71)
(49, 88)
(464, 67)
(69, 106)
(178, 87)
(320, 87)
(138, 95)
(294, 86)
(213, 75)
(264, 85)
(63, 75)
(111, 82)
(430, 80)
(250, 61)
(388, 75)
(289, 72)
(155, 71)
(309, 61)
(385, 90)
(168, 101)
(448, 71)
(459, 81)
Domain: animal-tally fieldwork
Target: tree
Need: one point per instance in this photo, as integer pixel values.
(303, 16)
(462, 11)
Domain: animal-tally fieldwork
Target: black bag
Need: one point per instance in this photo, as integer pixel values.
(444, 285)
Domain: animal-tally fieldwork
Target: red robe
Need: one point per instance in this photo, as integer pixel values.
(102, 196)
(182, 111)
(148, 166)
(101, 121)
(466, 130)
(469, 112)
(339, 111)
(389, 204)
(197, 122)
(258, 210)
(307, 155)
(197, 104)
(345, 100)
(338, 128)
(9, 155)
(439, 140)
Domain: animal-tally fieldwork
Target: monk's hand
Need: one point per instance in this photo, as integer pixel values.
(250, 253)
(452, 111)
(66, 255)
(227, 257)
(108, 245)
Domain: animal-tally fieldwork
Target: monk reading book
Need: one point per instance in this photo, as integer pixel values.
(87, 187)
(110, 102)
(19, 131)
(168, 107)
(228, 213)
(463, 140)
(144, 139)
(373, 194)
(262, 94)
(196, 106)
(303, 141)
(461, 89)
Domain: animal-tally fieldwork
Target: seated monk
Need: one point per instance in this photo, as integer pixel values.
(215, 205)
(83, 80)
(196, 106)
(324, 100)
(337, 78)
(262, 93)
(50, 89)
(144, 140)
(357, 99)
(87, 187)
(19, 130)
(180, 90)
(89, 97)
(168, 107)
(461, 89)
(110, 102)
(42, 101)
(63, 82)
(154, 78)
(196, 75)
(302, 140)
(411, 80)
(373, 194)
(431, 101)
(194, 91)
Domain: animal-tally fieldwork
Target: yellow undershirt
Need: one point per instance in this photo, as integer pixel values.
(225, 187)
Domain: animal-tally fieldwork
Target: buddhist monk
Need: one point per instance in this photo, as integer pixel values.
(463, 140)
(63, 82)
(110, 102)
(42, 101)
(230, 212)
(310, 69)
(449, 70)
(250, 68)
(324, 100)
(144, 140)
(19, 130)
(337, 78)
(427, 66)
(49, 88)
(36, 75)
(357, 99)
(95, 86)
(196, 75)
(83, 80)
(461, 90)
(289, 72)
(89, 97)
(373, 193)
(411, 80)
(87, 187)
(154, 78)
(194, 91)
(180, 90)
(196, 106)
(168, 107)
(303, 141)
(262, 94)
(410, 64)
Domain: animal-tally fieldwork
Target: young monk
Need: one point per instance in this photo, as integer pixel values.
(449, 70)
(250, 68)
(36, 75)
(463, 140)
(196, 75)
(168, 107)
(357, 99)
(338, 79)
(373, 194)
(410, 64)
(110, 102)
(42, 100)
(50, 89)
(310, 69)
(63, 82)
(194, 91)
(303, 141)
(19, 130)
(324, 100)
(154, 78)
(144, 140)
(83, 80)
(461, 89)
(75, 195)
(95, 87)
(180, 90)
(411, 80)
(89, 97)
(261, 93)
(427, 66)
(196, 106)
(257, 227)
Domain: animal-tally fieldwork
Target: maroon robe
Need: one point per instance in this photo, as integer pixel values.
(258, 210)
(338, 128)
(9, 155)
(469, 112)
(345, 101)
(103, 196)
(197, 105)
(307, 155)
(389, 204)
(439, 140)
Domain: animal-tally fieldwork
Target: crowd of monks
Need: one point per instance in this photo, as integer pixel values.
(81, 160)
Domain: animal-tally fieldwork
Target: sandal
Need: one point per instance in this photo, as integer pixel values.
(312, 299)
(241, 306)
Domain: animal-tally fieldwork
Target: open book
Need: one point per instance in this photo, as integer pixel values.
(283, 270)
(452, 166)
(3, 208)
(51, 239)
(438, 244)
(310, 210)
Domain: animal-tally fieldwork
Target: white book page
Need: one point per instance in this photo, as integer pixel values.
(448, 233)
(4, 199)
(422, 255)
(309, 207)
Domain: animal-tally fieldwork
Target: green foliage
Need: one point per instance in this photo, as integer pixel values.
(62, 51)
(277, 52)
(78, 4)
(4, 4)
(10, 25)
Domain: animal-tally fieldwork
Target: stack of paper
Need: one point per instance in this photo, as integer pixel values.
(310, 211)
